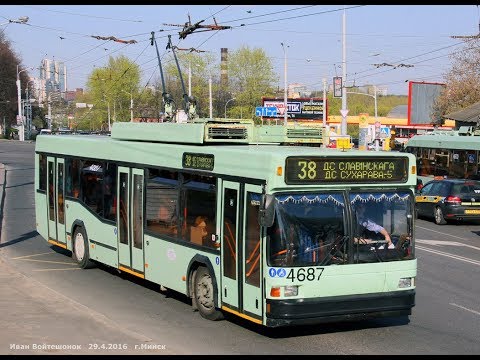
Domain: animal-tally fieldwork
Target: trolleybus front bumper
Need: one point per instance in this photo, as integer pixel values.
(339, 308)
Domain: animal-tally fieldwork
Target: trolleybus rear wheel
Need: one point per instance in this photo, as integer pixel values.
(204, 295)
(80, 249)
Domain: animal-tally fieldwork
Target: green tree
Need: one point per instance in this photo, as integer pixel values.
(8, 76)
(110, 88)
(251, 77)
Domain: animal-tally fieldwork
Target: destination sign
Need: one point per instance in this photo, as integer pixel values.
(301, 170)
(198, 161)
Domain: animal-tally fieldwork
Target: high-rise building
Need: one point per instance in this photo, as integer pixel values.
(53, 75)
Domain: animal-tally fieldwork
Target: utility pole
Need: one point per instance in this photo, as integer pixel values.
(344, 110)
(109, 126)
(285, 94)
(131, 107)
(189, 79)
(324, 112)
(49, 100)
(210, 95)
(21, 134)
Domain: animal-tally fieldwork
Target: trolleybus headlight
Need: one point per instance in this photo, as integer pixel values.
(406, 282)
(290, 290)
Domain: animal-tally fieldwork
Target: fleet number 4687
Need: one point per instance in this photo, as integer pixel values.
(305, 274)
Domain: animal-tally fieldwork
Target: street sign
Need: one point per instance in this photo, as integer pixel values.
(384, 132)
(377, 130)
(265, 111)
(337, 87)
(344, 112)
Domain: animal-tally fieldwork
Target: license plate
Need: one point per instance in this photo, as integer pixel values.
(472, 211)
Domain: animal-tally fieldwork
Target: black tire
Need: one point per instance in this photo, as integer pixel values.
(438, 216)
(204, 295)
(80, 252)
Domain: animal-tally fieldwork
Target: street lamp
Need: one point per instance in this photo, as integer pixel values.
(28, 107)
(108, 107)
(131, 103)
(21, 132)
(285, 100)
(226, 106)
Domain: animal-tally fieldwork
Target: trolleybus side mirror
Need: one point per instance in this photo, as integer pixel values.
(266, 214)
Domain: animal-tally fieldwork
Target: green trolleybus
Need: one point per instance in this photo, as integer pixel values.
(453, 154)
(238, 217)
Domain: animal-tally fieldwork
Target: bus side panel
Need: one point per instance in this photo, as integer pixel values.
(41, 214)
(165, 263)
(102, 237)
(168, 263)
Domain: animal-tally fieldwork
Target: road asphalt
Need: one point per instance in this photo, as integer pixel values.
(36, 319)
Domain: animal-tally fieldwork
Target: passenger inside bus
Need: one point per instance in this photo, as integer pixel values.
(370, 228)
(198, 231)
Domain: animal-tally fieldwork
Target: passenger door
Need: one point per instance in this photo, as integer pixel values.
(230, 246)
(60, 199)
(130, 220)
(252, 288)
(51, 198)
(241, 269)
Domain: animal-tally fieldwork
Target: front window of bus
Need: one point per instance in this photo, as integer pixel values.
(307, 228)
(374, 211)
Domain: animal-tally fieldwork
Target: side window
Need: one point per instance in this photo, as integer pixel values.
(199, 209)
(72, 177)
(161, 202)
(92, 185)
(436, 188)
(110, 191)
(426, 189)
(445, 189)
(252, 240)
(42, 172)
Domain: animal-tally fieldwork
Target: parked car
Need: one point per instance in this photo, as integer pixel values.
(449, 199)
(45, 132)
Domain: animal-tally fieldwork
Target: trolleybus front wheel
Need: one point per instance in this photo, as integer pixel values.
(80, 251)
(204, 295)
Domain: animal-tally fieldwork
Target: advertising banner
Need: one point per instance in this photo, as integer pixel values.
(297, 109)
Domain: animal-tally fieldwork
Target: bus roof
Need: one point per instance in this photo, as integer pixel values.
(205, 131)
(445, 141)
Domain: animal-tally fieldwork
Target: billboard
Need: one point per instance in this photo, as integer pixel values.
(297, 109)
(421, 98)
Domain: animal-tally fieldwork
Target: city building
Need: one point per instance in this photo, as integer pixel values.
(53, 77)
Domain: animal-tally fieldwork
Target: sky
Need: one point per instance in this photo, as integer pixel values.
(416, 37)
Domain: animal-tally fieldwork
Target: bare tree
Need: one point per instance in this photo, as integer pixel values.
(462, 81)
